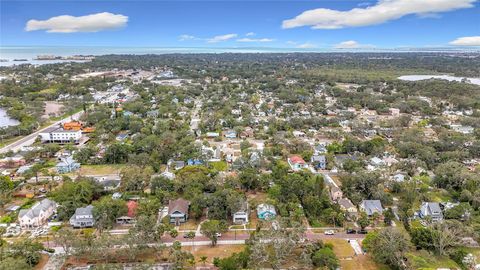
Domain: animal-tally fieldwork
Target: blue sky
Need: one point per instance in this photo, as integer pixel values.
(276, 24)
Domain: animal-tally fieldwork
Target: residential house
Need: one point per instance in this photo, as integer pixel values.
(371, 206)
(178, 211)
(319, 162)
(83, 217)
(266, 211)
(432, 210)
(298, 134)
(297, 163)
(230, 134)
(37, 215)
(335, 193)
(247, 133)
(346, 205)
(241, 215)
(11, 162)
(67, 165)
(132, 209)
(212, 134)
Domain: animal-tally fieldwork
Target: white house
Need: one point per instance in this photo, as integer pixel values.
(37, 215)
(241, 216)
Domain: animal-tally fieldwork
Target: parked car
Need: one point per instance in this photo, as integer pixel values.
(351, 231)
(362, 232)
(330, 232)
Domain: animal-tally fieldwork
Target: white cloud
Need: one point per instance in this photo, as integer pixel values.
(291, 42)
(221, 38)
(249, 34)
(255, 40)
(352, 44)
(382, 11)
(71, 24)
(466, 41)
(306, 45)
(186, 37)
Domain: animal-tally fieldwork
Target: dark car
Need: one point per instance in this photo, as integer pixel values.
(362, 232)
(351, 231)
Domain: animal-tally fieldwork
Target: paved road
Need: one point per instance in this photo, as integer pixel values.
(30, 139)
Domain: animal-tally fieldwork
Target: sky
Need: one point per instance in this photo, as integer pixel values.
(333, 24)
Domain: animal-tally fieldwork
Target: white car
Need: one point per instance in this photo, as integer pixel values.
(330, 232)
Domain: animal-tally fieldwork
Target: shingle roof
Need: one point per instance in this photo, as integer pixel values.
(180, 205)
(297, 159)
(35, 211)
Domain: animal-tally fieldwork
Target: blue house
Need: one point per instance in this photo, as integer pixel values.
(67, 165)
(230, 134)
(266, 211)
(319, 162)
(194, 162)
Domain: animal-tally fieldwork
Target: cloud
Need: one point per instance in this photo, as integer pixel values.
(186, 37)
(307, 45)
(466, 41)
(382, 11)
(255, 40)
(249, 34)
(352, 44)
(71, 24)
(221, 38)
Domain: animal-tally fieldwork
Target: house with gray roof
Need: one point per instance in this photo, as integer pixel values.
(83, 217)
(38, 214)
(371, 206)
(178, 211)
(432, 210)
(67, 165)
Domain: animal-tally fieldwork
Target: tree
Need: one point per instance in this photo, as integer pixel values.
(363, 220)
(445, 235)
(211, 229)
(106, 210)
(203, 260)
(28, 250)
(388, 217)
(173, 233)
(191, 236)
(325, 258)
(14, 263)
(394, 244)
(66, 238)
(135, 178)
(6, 187)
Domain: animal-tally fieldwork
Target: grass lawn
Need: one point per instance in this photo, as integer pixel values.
(219, 165)
(424, 260)
(191, 224)
(341, 247)
(362, 262)
(101, 169)
(220, 251)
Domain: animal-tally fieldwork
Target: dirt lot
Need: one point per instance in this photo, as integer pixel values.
(52, 108)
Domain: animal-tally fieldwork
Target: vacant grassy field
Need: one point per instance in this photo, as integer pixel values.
(212, 252)
(425, 260)
(362, 262)
(101, 169)
(341, 247)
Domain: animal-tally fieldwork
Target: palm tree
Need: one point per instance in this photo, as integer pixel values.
(203, 260)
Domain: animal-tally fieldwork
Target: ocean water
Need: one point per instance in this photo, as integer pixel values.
(442, 77)
(30, 53)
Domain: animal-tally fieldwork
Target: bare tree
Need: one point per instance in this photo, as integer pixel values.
(445, 235)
